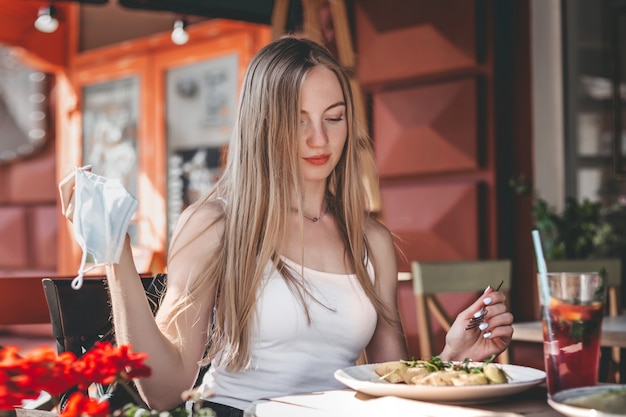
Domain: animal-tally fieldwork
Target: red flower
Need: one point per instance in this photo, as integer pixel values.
(78, 405)
(24, 377)
(105, 363)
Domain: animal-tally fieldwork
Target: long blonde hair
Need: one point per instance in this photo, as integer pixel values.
(257, 185)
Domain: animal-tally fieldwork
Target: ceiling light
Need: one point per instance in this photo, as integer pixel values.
(179, 34)
(46, 22)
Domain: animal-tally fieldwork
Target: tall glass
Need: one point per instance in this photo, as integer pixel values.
(572, 306)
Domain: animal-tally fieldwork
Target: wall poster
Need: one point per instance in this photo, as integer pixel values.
(201, 102)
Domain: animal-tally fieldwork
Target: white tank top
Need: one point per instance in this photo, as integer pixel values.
(290, 356)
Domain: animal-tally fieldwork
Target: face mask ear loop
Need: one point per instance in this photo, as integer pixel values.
(77, 282)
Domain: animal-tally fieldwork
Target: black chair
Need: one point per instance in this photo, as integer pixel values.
(82, 317)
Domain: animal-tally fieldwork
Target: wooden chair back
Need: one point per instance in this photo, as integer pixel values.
(432, 278)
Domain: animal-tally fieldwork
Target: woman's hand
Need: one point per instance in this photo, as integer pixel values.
(66, 191)
(480, 343)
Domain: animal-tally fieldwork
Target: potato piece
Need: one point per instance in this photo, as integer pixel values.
(494, 373)
(471, 379)
(415, 373)
(440, 378)
(391, 371)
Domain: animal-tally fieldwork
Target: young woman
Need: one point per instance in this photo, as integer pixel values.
(279, 271)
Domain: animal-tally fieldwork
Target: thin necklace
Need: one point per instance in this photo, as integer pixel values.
(313, 219)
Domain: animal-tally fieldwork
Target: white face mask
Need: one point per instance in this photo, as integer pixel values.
(103, 210)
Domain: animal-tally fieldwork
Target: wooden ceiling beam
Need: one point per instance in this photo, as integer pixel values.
(279, 18)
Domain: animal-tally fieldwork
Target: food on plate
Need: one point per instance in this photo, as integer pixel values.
(610, 401)
(416, 372)
(437, 372)
(494, 373)
(392, 371)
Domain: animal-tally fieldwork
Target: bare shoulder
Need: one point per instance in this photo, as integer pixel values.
(201, 213)
(382, 248)
(198, 230)
(194, 243)
(378, 235)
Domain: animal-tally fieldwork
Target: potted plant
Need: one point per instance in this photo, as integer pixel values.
(582, 230)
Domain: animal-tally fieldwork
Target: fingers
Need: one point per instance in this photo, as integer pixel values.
(491, 336)
(483, 329)
(499, 325)
(494, 316)
(488, 299)
(66, 191)
(501, 331)
(489, 312)
(501, 318)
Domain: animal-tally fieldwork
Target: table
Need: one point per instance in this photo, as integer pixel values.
(613, 332)
(347, 403)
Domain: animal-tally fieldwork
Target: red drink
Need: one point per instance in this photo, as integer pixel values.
(572, 344)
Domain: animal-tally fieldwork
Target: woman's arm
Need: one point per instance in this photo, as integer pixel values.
(174, 365)
(388, 342)
(174, 351)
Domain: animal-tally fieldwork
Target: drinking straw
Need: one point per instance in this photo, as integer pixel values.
(543, 270)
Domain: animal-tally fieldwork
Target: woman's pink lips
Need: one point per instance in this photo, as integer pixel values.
(317, 160)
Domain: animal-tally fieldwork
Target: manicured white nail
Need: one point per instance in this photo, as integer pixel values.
(478, 314)
(487, 335)
(483, 326)
(486, 289)
(487, 301)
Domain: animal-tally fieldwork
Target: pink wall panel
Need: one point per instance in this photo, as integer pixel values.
(433, 222)
(33, 180)
(428, 129)
(13, 252)
(44, 239)
(427, 37)
(4, 181)
(28, 215)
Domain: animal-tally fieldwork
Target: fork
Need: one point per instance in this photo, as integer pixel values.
(477, 320)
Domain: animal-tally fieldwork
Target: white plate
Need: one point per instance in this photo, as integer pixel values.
(362, 378)
(557, 401)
